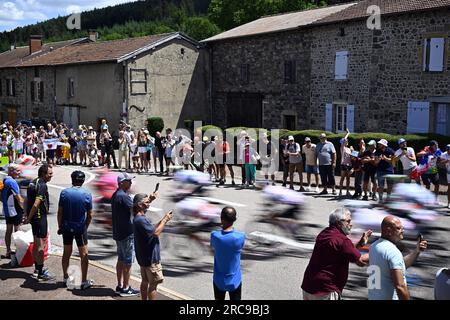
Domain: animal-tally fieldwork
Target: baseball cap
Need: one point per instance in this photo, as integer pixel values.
(342, 141)
(307, 139)
(33, 127)
(433, 143)
(90, 128)
(371, 143)
(383, 142)
(291, 138)
(447, 147)
(124, 177)
(323, 135)
(146, 131)
(205, 138)
(401, 140)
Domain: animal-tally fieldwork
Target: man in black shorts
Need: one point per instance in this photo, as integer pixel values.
(38, 205)
(74, 217)
(12, 205)
(370, 169)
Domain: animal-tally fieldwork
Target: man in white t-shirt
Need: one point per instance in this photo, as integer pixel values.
(446, 160)
(387, 280)
(311, 164)
(407, 157)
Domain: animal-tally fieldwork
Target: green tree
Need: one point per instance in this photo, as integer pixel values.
(200, 28)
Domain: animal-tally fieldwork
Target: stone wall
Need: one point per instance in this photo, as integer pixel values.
(177, 85)
(265, 55)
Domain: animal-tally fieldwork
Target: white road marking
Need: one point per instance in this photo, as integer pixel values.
(228, 203)
(284, 240)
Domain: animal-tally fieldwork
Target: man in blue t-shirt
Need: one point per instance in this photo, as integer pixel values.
(146, 244)
(383, 161)
(12, 205)
(227, 245)
(74, 217)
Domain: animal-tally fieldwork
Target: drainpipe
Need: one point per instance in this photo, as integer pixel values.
(54, 92)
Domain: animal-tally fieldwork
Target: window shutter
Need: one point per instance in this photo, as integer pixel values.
(351, 117)
(14, 87)
(426, 54)
(418, 117)
(1, 91)
(41, 91)
(437, 54)
(328, 117)
(32, 90)
(341, 65)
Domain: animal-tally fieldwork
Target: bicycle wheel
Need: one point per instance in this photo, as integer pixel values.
(264, 236)
(186, 248)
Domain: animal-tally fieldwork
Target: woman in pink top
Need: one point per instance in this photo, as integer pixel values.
(346, 164)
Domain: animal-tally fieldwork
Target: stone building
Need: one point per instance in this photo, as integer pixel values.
(86, 80)
(326, 69)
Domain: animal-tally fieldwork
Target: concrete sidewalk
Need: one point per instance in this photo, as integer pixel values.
(18, 284)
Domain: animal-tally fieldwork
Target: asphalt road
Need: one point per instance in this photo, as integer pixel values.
(267, 274)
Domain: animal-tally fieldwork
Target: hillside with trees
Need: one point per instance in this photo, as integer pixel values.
(199, 19)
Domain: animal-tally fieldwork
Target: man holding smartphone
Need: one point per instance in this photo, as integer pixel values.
(407, 156)
(146, 239)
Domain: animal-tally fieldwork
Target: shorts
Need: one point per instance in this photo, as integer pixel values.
(155, 152)
(125, 250)
(429, 178)
(312, 169)
(369, 175)
(269, 168)
(381, 177)
(346, 167)
(50, 153)
(153, 274)
(80, 238)
(82, 148)
(39, 228)
(16, 220)
(296, 167)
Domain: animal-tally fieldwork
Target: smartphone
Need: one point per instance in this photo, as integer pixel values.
(420, 237)
(157, 187)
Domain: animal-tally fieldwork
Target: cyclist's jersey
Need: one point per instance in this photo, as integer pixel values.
(198, 208)
(37, 189)
(284, 196)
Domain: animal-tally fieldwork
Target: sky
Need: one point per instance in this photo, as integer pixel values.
(19, 13)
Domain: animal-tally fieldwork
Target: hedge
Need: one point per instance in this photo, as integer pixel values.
(155, 124)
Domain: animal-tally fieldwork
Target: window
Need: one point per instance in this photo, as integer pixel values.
(1, 87)
(442, 119)
(289, 122)
(11, 87)
(245, 74)
(138, 81)
(36, 72)
(341, 117)
(290, 72)
(433, 57)
(418, 117)
(37, 91)
(341, 65)
(70, 88)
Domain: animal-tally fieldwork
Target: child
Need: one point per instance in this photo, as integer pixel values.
(93, 156)
(65, 148)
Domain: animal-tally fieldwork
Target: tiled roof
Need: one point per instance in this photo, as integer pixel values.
(88, 52)
(279, 22)
(387, 7)
(334, 14)
(19, 55)
(95, 52)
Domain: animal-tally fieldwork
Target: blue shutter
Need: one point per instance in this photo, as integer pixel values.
(351, 117)
(329, 117)
(418, 117)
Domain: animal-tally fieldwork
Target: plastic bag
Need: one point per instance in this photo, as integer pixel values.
(24, 247)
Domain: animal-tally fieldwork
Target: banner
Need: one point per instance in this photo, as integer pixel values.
(50, 144)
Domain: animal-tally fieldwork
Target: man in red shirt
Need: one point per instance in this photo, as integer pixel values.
(327, 272)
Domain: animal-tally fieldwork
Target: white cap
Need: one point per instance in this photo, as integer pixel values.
(383, 142)
(291, 138)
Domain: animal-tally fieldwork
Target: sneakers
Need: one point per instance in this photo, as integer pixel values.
(118, 289)
(316, 190)
(87, 284)
(283, 185)
(233, 183)
(374, 197)
(301, 189)
(308, 189)
(45, 276)
(274, 184)
(291, 187)
(324, 191)
(365, 198)
(347, 194)
(35, 274)
(340, 193)
(130, 292)
(334, 192)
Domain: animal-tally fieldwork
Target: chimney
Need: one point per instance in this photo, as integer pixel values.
(35, 43)
(93, 35)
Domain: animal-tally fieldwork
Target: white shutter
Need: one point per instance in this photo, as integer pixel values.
(341, 65)
(418, 117)
(437, 54)
(351, 117)
(329, 117)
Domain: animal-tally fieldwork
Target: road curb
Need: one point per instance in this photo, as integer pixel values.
(164, 291)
